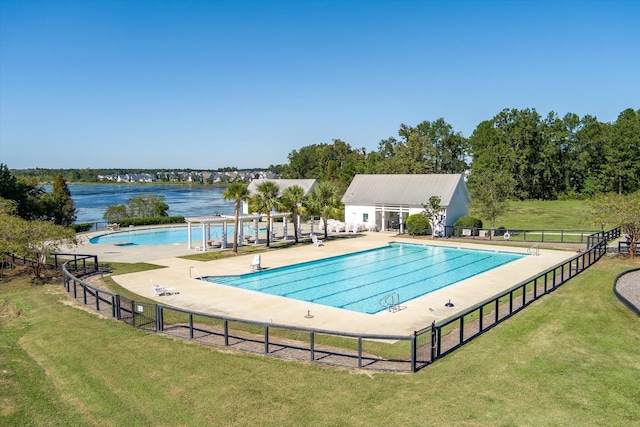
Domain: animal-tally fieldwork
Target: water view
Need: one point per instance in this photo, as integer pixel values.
(92, 200)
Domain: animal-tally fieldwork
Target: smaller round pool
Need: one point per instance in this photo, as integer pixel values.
(165, 235)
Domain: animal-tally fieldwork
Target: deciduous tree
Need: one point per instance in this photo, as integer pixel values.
(435, 214)
(489, 194)
(619, 210)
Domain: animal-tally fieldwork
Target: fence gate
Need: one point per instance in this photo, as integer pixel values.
(138, 314)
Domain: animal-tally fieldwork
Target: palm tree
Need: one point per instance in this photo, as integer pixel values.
(236, 192)
(291, 201)
(324, 201)
(264, 201)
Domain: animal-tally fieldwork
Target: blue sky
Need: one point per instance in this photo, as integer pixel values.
(207, 84)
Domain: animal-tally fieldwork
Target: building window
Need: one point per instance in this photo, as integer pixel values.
(365, 217)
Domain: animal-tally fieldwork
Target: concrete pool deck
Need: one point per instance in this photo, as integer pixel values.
(199, 296)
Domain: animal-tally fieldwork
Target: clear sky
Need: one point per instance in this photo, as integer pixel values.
(206, 84)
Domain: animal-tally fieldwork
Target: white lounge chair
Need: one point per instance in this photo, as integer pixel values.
(255, 265)
(316, 241)
(160, 290)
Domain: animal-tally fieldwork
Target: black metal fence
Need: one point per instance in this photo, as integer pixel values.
(408, 353)
(625, 248)
(522, 235)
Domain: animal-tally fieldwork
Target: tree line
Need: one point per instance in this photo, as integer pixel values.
(535, 157)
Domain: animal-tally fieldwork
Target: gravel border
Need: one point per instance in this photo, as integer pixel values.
(627, 288)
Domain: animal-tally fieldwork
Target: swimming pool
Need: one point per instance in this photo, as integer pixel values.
(360, 280)
(166, 235)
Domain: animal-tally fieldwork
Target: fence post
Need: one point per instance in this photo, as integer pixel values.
(226, 333)
(116, 307)
(414, 351)
(434, 342)
(159, 326)
(191, 325)
(312, 346)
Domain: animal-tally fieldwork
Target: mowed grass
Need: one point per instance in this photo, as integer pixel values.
(546, 215)
(568, 359)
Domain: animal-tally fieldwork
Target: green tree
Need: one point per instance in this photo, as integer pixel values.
(292, 200)
(115, 213)
(137, 207)
(324, 201)
(64, 211)
(619, 210)
(34, 239)
(489, 194)
(510, 144)
(622, 153)
(25, 192)
(586, 154)
(429, 147)
(7, 228)
(238, 192)
(435, 215)
(337, 162)
(265, 201)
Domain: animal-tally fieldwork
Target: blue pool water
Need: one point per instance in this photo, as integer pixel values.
(166, 236)
(360, 280)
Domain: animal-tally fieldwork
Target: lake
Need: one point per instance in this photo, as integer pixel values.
(91, 200)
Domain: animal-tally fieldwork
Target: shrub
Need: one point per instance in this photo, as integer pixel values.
(81, 228)
(417, 225)
(468, 222)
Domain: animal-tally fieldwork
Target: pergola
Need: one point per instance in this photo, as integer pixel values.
(207, 221)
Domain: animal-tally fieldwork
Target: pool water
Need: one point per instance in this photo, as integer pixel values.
(360, 280)
(166, 236)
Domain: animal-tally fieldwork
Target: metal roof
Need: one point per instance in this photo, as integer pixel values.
(403, 189)
(306, 184)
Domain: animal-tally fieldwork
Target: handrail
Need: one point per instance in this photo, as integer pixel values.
(389, 302)
(199, 276)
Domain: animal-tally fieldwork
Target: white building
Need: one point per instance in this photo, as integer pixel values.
(389, 199)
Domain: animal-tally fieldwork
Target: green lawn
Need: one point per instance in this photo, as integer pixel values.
(568, 359)
(546, 215)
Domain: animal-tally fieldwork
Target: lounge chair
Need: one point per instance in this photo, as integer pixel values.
(255, 265)
(316, 241)
(160, 290)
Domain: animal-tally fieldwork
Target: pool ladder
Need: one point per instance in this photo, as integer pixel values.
(198, 276)
(534, 250)
(391, 302)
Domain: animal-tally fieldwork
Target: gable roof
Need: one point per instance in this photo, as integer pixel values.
(404, 189)
(306, 184)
